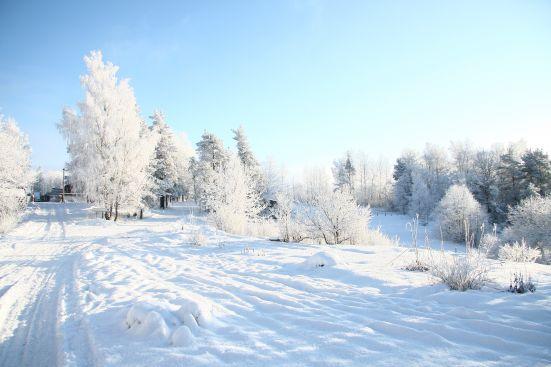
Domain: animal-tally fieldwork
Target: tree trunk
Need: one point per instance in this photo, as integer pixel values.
(141, 213)
(116, 211)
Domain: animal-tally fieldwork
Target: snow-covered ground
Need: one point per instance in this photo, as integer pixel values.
(79, 291)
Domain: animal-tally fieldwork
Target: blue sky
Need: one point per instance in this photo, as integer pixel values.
(307, 79)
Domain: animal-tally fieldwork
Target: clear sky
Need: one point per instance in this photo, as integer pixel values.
(307, 79)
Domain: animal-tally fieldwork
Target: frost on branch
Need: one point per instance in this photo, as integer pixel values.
(15, 172)
(110, 146)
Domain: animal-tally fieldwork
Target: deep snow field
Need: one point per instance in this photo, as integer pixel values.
(80, 291)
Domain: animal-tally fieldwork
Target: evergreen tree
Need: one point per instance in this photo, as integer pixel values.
(536, 169)
(212, 158)
(421, 201)
(344, 173)
(510, 181)
(403, 181)
(483, 182)
(248, 160)
(165, 162)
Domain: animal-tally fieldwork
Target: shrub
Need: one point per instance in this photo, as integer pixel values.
(418, 264)
(291, 228)
(461, 271)
(531, 221)
(519, 285)
(335, 218)
(198, 238)
(490, 245)
(518, 252)
(457, 212)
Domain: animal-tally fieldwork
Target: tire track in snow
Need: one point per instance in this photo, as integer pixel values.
(43, 324)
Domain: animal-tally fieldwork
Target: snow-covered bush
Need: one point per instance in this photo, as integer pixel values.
(458, 213)
(15, 172)
(376, 237)
(490, 245)
(291, 228)
(198, 238)
(334, 218)
(531, 221)
(518, 252)
(461, 271)
(262, 227)
(232, 198)
(320, 260)
(521, 284)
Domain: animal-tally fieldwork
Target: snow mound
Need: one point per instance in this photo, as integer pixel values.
(182, 336)
(195, 311)
(142, 321)
(321, 259)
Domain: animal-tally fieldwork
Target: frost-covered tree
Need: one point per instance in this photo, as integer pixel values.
(275, 179)
(291, 225)
(335, 218)
(47, 180)
(108, 142)
(183, 155)
(16, 175)
(536, 169)
(403, 181)
(531, 221)
(231, 197)
(165, 160)
(421, 201)
(248, 160)
(437, 172)
(212, 158)
(316, 182)
(344, 173)
(459, 212)
(463, 156)
(430, 181)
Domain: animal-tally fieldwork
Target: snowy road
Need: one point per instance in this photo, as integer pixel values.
(78, 292)
(40, 320)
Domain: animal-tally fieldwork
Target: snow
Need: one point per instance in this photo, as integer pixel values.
(77, 291)
(321, 259)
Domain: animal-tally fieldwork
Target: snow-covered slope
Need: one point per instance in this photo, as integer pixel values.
(81, 291)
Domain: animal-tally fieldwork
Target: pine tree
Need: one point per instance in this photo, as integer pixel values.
(510, 181)
(421, 201)
(483, 182)
(248, 160)
(344, 173)
(231, 198)
(403, 181)
(212, 158)
(165, 164)
(536, 169)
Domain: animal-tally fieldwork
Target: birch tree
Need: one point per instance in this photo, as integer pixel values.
(109, 145)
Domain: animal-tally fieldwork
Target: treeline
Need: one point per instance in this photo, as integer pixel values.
(499, 178)
(120, 162)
